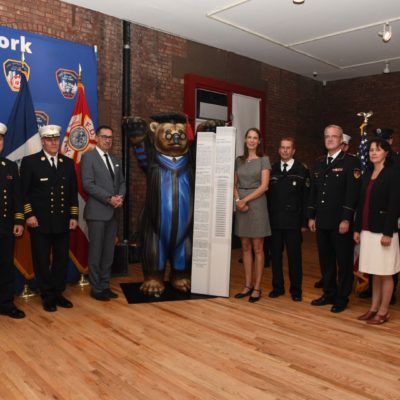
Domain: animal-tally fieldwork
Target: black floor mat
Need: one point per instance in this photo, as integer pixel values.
(134, 296)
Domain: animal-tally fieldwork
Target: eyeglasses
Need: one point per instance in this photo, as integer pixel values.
(106, 137)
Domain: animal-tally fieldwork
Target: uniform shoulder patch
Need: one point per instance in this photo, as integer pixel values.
(357, 173)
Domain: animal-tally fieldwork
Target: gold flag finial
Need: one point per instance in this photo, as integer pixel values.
(366, 115)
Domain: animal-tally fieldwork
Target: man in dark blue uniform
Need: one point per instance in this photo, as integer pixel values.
(335, 187)
(50, 196)
(11, 224)
(287, 202)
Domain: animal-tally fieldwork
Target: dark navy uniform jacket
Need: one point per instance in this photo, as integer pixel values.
(51, 196)
(335, 190)
(11, 209)
(288, 196)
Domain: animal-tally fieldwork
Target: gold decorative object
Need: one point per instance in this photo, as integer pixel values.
(83, 281)
(366, 115)
(26, 292)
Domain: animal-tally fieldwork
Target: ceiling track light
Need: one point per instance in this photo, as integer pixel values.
(386, 33)
(386, 70)
(298, 1)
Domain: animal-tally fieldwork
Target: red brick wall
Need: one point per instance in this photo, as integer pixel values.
(342, 100)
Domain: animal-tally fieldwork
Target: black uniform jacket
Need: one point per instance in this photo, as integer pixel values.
(288, 196)
(384, 203)
(11, 209)
(335, 190)
(51, 196)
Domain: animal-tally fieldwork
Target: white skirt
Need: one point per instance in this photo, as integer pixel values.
(376, 259)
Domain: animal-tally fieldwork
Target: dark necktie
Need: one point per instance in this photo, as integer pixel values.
(53, 165)
(284, 168)
(330, 159)
(109, 166)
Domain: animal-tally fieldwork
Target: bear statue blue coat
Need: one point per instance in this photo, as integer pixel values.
(167, 219)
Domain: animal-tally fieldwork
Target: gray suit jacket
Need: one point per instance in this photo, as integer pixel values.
(99, 186)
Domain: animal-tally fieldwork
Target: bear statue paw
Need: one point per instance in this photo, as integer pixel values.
(152, 287)
(181, 283)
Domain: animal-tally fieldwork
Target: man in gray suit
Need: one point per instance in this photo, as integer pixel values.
(104, 182)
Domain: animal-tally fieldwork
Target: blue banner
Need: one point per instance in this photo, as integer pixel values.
(52, 70)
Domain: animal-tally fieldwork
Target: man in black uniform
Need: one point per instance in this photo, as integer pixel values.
(11, 224)
(345, 147)
(287, 200)
(335, 187)
(51, 209)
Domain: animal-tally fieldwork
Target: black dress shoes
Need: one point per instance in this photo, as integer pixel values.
(337, 308)
(63, 302)
(319, 284)
(297, 297)
(322, 301)
(112, 295)
(101, 296)
(49, 306)
(253, 299)
(245, 294)
(13, 312)
(275, 293)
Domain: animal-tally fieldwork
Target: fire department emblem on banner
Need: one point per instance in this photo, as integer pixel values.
(42, 118)
(78, 138)
(12, 73)
(67, 81)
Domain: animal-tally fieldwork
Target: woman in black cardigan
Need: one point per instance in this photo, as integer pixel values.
(376, 229)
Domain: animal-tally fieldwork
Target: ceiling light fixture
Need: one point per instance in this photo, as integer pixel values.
(386, 33)
(386, 70)
(298, 1)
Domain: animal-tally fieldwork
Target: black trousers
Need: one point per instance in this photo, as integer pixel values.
(292, 239)
(336, 261)
(50, 254)
(6, 271)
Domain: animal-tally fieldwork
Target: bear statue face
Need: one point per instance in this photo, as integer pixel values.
(170, 138)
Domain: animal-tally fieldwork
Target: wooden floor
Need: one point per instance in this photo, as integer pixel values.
(201, 349)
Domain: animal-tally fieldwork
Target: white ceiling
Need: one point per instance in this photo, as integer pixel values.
(336, 39)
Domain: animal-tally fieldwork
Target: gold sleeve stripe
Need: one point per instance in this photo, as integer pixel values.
(19, 216)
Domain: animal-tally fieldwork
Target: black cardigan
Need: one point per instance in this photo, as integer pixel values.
(384, 203)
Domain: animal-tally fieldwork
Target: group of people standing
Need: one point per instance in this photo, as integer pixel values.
(44, 194)
(336, 201)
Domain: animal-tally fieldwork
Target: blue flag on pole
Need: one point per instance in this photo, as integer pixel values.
(22, 139)
(22, 136)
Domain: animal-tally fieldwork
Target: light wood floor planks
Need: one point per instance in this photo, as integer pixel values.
(201, 349)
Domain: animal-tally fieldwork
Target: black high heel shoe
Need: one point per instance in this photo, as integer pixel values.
(253, 299)
(245, 294)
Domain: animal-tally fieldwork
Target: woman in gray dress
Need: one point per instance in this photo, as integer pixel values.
(251, 222)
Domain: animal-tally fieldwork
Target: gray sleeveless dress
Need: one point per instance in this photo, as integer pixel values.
(255, 222)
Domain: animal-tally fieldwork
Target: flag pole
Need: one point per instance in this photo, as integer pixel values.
(82, 281)
(26, 291)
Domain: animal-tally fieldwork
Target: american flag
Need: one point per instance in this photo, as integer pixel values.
(362, 152)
